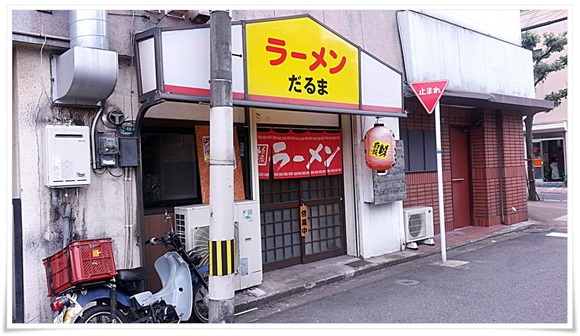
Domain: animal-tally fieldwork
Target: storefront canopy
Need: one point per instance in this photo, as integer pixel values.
(490, 100)
(273, 66)
(483, 71)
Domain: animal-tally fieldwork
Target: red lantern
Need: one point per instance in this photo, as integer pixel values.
(380, 148)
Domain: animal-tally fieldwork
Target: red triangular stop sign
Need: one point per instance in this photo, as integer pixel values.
(429, 92)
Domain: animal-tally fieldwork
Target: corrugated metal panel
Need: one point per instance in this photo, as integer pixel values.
(434, 50)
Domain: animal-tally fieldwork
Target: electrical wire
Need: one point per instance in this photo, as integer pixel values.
(41, 77)
(103, 171)
(37, 122)
(132, 62)
(76, 202)
(130, 211)
(111, 173)
(127, 215)
(539, 16)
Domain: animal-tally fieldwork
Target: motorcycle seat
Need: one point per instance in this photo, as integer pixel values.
(133, 274)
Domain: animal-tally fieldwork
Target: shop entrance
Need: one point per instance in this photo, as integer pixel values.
(280, 201)
(546, 160)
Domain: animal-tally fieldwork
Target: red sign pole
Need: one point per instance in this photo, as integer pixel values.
(429, 94)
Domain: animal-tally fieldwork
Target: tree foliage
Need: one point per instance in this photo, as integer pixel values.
(543, 66)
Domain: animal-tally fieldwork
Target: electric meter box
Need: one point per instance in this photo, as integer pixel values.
(67, 160)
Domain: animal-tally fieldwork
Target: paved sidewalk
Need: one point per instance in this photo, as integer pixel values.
(552, 187)
(297, 279)
(552, 191)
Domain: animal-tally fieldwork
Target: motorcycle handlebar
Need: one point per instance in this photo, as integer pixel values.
(167, 239)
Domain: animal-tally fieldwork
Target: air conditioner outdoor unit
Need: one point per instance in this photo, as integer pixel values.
(192, 225)
(418, 226)
(249, 241)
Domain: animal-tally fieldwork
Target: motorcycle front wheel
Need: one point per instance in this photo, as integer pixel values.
(100, 314)
(200, 310)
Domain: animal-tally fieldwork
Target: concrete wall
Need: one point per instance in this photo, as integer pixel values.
(98, 210)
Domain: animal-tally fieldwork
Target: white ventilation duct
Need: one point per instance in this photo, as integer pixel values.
(86, 74)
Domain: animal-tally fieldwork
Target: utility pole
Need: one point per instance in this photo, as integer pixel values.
(221, 173)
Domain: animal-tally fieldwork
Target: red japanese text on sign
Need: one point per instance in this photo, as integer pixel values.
(277, 47)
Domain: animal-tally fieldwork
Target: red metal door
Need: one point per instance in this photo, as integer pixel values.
(460, 179)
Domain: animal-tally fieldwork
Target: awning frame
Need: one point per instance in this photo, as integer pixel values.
(526, 106)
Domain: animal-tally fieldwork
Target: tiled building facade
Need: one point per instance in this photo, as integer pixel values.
(485, 149)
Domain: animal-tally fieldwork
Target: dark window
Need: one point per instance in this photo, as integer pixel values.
(170, 172)
(420, 151)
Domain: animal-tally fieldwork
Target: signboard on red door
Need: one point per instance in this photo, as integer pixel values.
(429, 93)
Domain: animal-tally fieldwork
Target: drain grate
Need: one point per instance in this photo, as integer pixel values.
(358, 263)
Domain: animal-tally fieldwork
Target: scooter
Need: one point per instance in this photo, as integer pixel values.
(122, 299)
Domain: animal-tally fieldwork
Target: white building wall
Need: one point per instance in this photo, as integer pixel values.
(435, 49)
(500, 23)
(379, 225)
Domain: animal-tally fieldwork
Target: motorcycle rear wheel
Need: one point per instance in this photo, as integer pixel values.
(100, 314)
(200, 310)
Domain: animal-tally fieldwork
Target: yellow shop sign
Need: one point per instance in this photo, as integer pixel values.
(298, 61)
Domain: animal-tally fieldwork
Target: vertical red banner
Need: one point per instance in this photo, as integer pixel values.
(300, 145)
(282, 155)
(333, 153)
(316, 154)
(265, 139)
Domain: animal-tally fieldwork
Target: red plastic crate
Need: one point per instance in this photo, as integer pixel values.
(80, 262)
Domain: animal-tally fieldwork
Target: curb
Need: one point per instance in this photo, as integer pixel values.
(242, 307)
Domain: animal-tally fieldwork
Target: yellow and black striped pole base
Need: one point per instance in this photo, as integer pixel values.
(221, 257)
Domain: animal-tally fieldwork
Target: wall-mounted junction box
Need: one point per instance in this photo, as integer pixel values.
(67, 158)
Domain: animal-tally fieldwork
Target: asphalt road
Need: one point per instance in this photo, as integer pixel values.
(549, 214)
(520, 278)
